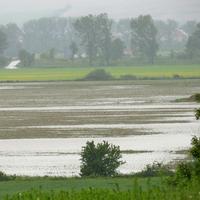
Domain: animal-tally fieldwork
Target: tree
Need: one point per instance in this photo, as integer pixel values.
(166, 36)
(96, 36)
(87, 29)
(121, 29)
(189, 27)
(197, 114)
(104, 37)
(52, 53)
(193, 44)
(117, 49)
(44, 34)
(195, 149)
(3, 42)
(26, 58)
(144, 37)
(102, 159)
(14, 39)
(74, 49)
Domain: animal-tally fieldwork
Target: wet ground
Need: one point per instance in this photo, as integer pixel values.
(44, 125)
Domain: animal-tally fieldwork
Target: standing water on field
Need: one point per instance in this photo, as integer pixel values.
(44, 125)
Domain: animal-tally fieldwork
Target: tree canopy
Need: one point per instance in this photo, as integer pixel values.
(144, 35)
(3, 42)
(96, 36)
(193, 44)
(102, 159)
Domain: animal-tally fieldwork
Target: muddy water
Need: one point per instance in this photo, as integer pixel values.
(44, 125)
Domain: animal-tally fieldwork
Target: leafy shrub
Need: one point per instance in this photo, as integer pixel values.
(102, 159)
(197, 114)
(156, 169)
(184, 171)
(195, 149)
(196, 97)
(4, 177)
(176, 76)
(193, 98)
(98, 75)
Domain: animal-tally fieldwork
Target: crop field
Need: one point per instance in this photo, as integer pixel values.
(76, 73)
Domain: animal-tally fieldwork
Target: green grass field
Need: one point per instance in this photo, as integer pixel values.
(59, 74)
(48, 184)
(99, 189)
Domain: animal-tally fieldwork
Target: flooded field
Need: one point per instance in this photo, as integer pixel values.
(44, 125)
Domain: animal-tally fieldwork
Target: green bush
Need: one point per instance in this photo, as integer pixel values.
(196, 97)
(4, 177)
(102, 159)
(156, 169)
(98, 75)
(195, 149)
(197, 114)
(186, 171)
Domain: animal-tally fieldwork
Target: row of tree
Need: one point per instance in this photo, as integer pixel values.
(98, 37)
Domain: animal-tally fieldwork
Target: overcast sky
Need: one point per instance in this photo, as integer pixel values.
(182, 10)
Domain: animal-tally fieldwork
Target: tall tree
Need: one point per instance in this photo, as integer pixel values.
(117, 49)
(74, 49)
(189, 27)
(144, 37)
(26, 58)
(96, 36)
(88, 31)
(3, 42)
(48, 33)
(104, 37)
(193, 44)
(14, 39)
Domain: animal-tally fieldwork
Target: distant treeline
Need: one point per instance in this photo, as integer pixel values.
(99, 39)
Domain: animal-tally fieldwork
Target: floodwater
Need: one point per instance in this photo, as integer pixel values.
(43, 126)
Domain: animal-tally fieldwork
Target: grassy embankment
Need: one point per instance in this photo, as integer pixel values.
(76, 73)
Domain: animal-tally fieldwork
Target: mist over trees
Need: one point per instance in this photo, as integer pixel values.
(143, 39)
(96, 36)
(193, 44)
(100, 40)
(3, 42)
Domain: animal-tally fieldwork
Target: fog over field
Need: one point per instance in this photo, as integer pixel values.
(23, 10)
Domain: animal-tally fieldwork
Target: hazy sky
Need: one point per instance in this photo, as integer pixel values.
(161, 9)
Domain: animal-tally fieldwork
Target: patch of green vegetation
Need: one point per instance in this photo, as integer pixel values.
(57, 184)
(193, 98)
(156, 169)
(150, 191)
(121, 72)
(98, 75)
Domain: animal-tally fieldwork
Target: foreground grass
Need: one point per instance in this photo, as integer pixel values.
(75, 73)
(104, 189)
(47, 184)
